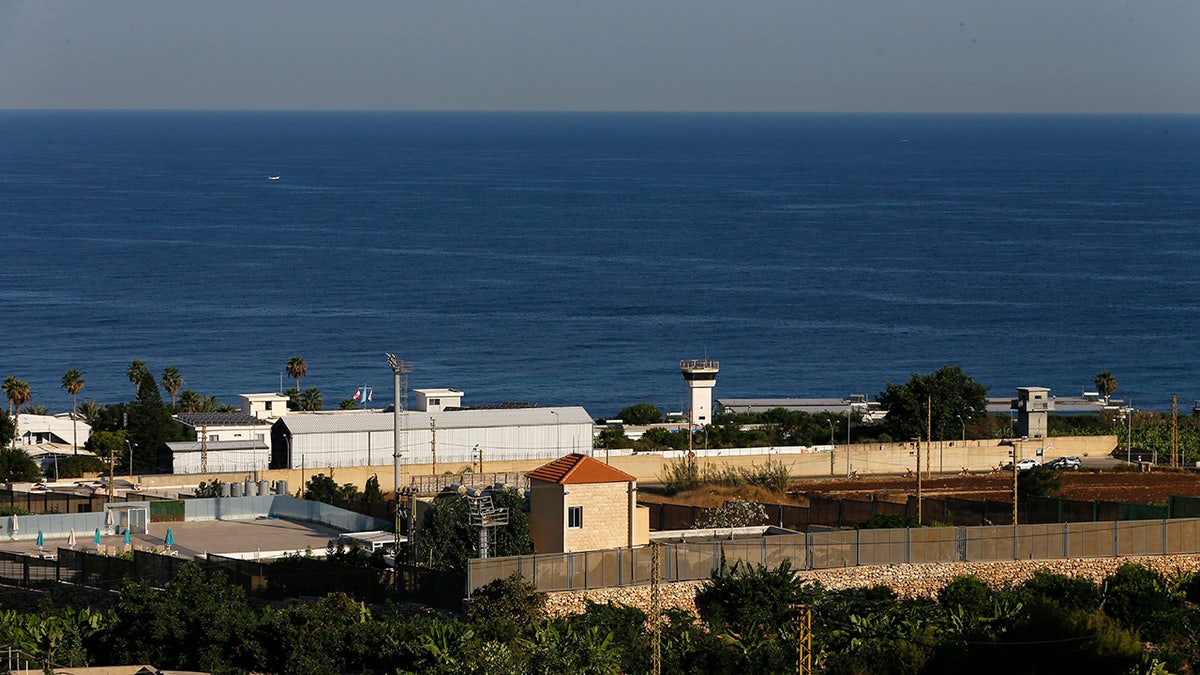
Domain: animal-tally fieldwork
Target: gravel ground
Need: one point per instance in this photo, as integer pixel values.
(909, 581)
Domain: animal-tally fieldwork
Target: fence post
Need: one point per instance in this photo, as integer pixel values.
(1116, 537)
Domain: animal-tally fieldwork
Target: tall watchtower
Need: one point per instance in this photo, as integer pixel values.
(700, 376)
(1032, 405)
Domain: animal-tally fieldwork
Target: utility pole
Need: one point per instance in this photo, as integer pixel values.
(919, 495)
(1174, 432)
(433, 445)
(1016, 456)
(804, 640)
(928, 436)
(203, 448)
(655, 609)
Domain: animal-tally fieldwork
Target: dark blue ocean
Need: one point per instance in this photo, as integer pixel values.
(575, 258)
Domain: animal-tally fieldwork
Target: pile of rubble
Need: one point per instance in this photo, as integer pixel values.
(909, 581)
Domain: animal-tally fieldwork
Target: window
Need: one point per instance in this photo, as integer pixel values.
(213, 438)
(574, 517)
(435, 401)
(269, 404)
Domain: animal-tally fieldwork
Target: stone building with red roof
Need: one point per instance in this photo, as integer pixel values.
(577, 503)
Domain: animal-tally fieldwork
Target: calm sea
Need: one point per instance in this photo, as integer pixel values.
(575, 258)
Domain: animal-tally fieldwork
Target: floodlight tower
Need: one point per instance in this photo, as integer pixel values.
(700, 376)
(400, 370)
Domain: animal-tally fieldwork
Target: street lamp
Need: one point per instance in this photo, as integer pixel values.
(964, 428)
(130, 446)
(831, 445)
(558, 428)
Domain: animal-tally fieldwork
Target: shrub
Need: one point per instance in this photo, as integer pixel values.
(969, 593)
(888, 521)
(509, 599)
(751, 600)
(640, 413)
(1040, 481)
(79, 466)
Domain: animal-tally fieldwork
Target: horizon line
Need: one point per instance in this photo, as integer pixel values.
(582, 111)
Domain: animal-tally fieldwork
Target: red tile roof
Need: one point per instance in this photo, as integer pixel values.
(577, 468)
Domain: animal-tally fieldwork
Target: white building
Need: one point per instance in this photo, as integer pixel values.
(457, 436)
(264, 406)
(437, 400)
(43, 429)
(220, 427)
(222, 456)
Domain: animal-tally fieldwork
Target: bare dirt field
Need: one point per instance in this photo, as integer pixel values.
(1118, 486)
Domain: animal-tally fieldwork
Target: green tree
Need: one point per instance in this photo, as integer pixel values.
(37, 409)
(311, 399)
(640, 413)
(348, 404)
(200, 622)
(190, 402)
(172, 381)
(1106, 384)
(1040, 481)
(7, 430)
(297, 369)
(322, 488)
(17, 467)
(72, 383)
(447, 539)
(512, 598)
(372, 494)
(138, 373)
(89, 412)
(107, 445)
(948, 392)
(18, 394)
(151, 425)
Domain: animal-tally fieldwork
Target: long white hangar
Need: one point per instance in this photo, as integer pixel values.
(457, 436)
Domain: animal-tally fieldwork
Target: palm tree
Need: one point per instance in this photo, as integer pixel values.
(297, 369)
(137, 372)
(10, 383)
(1106, 384)
(18, 394)
(311, 399)
(190, 402)
(172, 382)
(89, 411)
(72, 382)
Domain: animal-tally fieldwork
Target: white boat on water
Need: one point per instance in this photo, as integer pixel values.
(272, 177)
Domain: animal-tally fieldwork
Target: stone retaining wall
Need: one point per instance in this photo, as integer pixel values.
(909, 581)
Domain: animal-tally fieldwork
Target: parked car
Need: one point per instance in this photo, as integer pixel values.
(1072, 463)
(1023, 465)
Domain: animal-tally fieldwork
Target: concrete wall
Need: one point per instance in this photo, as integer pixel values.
(867, 458)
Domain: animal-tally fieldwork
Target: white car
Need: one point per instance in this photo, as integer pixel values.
(1023, 465)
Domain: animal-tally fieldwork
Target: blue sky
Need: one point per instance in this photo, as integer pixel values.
(698, 55)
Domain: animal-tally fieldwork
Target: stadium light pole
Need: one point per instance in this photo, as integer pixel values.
(399, 370)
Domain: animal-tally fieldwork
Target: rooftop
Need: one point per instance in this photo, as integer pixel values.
(220, 419)
(575, 469)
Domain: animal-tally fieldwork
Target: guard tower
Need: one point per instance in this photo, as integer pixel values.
(700, 375)
(1032, 404)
